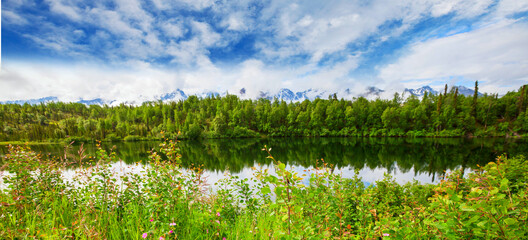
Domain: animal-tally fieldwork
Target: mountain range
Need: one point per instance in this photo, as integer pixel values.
(420, 92)
(282, 94)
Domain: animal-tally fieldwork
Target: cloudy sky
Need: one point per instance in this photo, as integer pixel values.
(122, 49)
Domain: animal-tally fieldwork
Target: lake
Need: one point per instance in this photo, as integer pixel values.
(423, 159)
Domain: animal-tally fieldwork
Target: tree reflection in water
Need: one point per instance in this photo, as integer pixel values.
(422, 156)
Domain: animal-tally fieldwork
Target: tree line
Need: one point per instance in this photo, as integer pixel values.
(447, 114)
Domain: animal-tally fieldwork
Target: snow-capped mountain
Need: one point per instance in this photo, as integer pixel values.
(284, 94)
(173, 96)
(33, 101)
(419, 92)
(96, 101)
(372, 92)
(290, 96)
(466, 91)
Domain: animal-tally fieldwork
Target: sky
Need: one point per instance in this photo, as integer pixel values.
(130, 49)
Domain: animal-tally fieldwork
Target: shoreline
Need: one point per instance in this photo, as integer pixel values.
(146, 139)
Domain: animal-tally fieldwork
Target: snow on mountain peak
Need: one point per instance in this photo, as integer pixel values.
(284, 94)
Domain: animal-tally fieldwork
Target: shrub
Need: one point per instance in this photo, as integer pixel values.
(132, 138)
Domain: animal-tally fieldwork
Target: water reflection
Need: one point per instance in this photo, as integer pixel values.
(404, 158)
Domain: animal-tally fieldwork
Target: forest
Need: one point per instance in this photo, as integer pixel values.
(448, 114)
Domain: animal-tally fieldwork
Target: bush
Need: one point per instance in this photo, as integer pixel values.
(243, 132)
(112, 138)
(194, 132)
(132, 138)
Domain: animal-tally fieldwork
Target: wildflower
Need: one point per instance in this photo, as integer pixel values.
(151, 220)
(217, 221)
(218, 214)
(172, 224)
(386, 234)
(171, 231)
(223, 238)
(162, 238)
(144, 235)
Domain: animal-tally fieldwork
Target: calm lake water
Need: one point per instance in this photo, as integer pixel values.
(406, 159)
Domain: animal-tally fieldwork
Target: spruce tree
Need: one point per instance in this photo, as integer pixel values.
(474, 105)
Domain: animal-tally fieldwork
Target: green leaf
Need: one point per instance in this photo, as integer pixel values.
(282, 166)
(474, 219)
(494, 191)
(481, 224)
(278, 190)
(265, 190)
(504, 184)
(510, 221)
(466, 209)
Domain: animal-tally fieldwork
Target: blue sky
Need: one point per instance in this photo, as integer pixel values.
(133, 49)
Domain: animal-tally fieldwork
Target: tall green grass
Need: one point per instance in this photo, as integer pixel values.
(166, 201)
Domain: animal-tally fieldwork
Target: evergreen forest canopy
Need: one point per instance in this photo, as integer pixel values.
(448, 114)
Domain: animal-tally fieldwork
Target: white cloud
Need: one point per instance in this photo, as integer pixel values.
(494, 55)
(335, 76)
(140, 81)
(305, 21)
(70, 83)
(127, 34)
(12, 4)
(235, 22)
(463, 8)
(194, 4)
(188, 52)
(203, 31)
(113, 22)
(173, 29)
(60, 39)
(133, 11)
(320, 28)
(69, 10)
(11, 18)
(508, 7)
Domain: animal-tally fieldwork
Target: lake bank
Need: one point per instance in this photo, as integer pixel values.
(144, 139)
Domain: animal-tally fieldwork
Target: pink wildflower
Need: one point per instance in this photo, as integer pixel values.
(162, 238)
(151, 220)
(223, 238)
(171, 231)
(144, 235)
(386, 234)
(217, 221)
(218, 214)
(172, 224)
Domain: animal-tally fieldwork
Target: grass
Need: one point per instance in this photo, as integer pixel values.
(168, 202)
